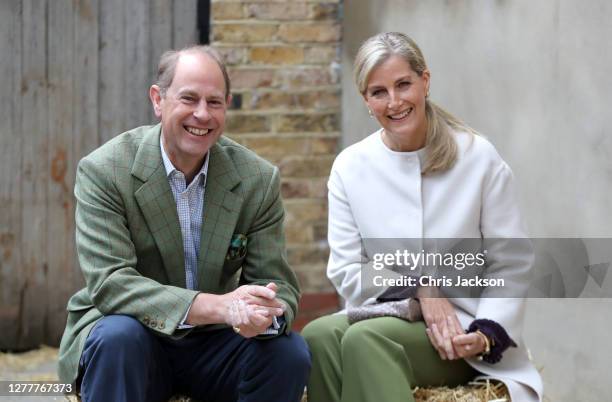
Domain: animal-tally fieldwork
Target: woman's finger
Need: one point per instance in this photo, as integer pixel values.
(439, 341)
(468, 343)
(454, 321)
(448, 344)
(434, 343)
(461, 340)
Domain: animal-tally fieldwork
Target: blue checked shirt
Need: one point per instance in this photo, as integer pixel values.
(190, 208)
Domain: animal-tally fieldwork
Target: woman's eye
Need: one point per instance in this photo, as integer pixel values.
(404, 84)
(377, 92)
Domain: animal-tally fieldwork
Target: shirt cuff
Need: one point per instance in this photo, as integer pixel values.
(182, 325)
(277, 323)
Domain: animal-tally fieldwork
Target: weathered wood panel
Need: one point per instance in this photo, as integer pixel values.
(161, 36)
(34, 174)
(112, 108)
(137, 42)
(185, 25)
(10, 165)
(60, 205)
(74, 74)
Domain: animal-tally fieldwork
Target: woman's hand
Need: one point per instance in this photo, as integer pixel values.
(469, 345)
(441, 320)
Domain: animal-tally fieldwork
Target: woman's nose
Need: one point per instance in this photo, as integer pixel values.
(394, 100)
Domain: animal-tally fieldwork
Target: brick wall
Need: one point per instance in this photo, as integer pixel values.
(284, 65)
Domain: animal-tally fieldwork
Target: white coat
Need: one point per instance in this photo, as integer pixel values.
(375, 192)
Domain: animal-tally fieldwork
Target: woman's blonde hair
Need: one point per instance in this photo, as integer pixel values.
(440, 144)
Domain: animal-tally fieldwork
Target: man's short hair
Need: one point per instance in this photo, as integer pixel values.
(169, 60)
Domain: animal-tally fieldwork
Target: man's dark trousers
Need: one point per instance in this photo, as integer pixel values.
(124, 361)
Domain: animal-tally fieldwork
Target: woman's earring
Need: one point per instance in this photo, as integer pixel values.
(370, 112)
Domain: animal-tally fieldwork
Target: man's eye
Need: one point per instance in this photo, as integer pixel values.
(187, 99)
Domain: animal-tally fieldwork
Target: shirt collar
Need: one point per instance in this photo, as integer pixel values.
(170, 169)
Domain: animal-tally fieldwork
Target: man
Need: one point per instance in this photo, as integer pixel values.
(180, 239)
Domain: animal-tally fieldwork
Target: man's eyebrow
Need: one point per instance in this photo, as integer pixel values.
(187, 91)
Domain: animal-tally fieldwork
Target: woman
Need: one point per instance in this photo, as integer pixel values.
(424, 174)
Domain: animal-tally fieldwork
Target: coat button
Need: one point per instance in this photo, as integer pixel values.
(146, 320)
(162, 325)
(153, 323)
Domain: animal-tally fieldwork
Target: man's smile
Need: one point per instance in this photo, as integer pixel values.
(197, 131)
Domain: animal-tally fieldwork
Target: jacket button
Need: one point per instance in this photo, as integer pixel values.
(153, 323)
(162, 325)
(146, 320)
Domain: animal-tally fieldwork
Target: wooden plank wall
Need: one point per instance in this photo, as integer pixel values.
(73, 74)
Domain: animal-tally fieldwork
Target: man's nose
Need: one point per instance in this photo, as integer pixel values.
(201, 111)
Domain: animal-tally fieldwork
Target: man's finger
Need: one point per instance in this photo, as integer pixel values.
(272, 286)
(261, 291)
(243, 310)
(261, 301)
(260, 321)
(234, 319)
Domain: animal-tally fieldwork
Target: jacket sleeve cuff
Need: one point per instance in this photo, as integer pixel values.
(500, 340)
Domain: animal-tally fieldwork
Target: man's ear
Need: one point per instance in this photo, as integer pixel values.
(156, 98)
(228, 101)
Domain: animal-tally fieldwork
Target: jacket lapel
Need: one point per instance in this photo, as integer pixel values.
(221, 210)
(158, 207)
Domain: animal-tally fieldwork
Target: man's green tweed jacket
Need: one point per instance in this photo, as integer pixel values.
(130, 246)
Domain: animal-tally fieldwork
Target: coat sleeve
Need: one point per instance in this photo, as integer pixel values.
(107, 257)
(510, 253)
(348, 263)
(266, 258)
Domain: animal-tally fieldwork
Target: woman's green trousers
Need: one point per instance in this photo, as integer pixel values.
(376, 360)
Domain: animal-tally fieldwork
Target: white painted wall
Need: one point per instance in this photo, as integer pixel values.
(535, 77)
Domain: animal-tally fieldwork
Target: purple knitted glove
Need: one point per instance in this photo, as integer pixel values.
(500, 340)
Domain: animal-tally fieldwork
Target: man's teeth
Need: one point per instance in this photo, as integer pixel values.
(400, 115)
(198, 131)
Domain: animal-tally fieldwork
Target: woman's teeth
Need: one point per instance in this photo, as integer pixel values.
(400, 116)
(198, 131)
